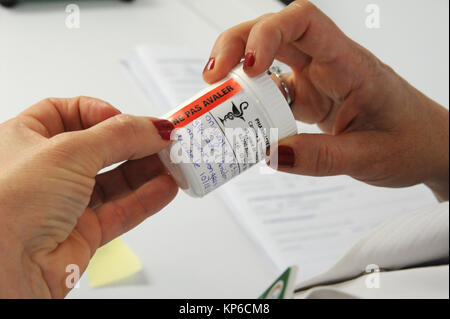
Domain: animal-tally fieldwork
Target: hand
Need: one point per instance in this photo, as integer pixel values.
(378, 128)
(54, 208)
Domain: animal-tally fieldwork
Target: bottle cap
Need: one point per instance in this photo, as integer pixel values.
(273, 101)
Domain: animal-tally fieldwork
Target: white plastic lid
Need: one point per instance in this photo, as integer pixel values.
(273, 101)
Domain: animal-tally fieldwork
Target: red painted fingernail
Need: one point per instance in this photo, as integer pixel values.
(210, 65)
(286, 156)
(249, 59)
(164, 128)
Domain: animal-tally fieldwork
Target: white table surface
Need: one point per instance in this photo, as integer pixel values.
(192, 248)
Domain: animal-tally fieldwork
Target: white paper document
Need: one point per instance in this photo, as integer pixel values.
(416, 239)
(295, 220)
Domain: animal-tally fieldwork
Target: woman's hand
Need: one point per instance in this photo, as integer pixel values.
(378, 128)
(54, 208)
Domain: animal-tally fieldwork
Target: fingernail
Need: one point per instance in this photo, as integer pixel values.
(286, 156)
(249, 59)
(164, 128)
(210, 65)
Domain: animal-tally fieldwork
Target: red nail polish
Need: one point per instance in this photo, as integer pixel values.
(210, 65)
(286, 156)
(249, 60)
(164, 128)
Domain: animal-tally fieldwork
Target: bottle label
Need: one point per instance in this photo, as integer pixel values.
(219, 135)
(205, 103)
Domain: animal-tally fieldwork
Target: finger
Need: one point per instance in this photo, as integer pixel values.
(309, 105)
(300, 23)
(326, 155)
(292, 56)
(56, 115)
(227, 52)
(230, 46)
(121, 215)
(125, 179)
(119, 138)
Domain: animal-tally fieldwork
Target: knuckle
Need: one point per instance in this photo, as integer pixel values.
(266, 16)
(223, 35)
(230, 35)
(304, 8)
(321, 165)
(304, 5)
(57, 102)
(84, 99)
(265, 26)
(47, 100)
(60, 148)
(126, 124)
(327, 159)
(124, 119)
(16, 123)
(121, 214)
(62, 143)
(16, 127)
(73, 152)
(270, 29)
(308, 5)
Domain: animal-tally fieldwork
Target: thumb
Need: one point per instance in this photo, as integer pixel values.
(119, 138)
(318, 154)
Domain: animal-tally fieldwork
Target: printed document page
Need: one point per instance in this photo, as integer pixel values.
(295, 220)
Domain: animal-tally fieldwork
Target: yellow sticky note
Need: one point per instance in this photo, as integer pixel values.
(112, 262)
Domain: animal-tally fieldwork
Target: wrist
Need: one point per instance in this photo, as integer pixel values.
(10, 266)
(20, 276)
(438, 179)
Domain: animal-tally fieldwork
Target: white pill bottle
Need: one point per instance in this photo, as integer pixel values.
(225, 129)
